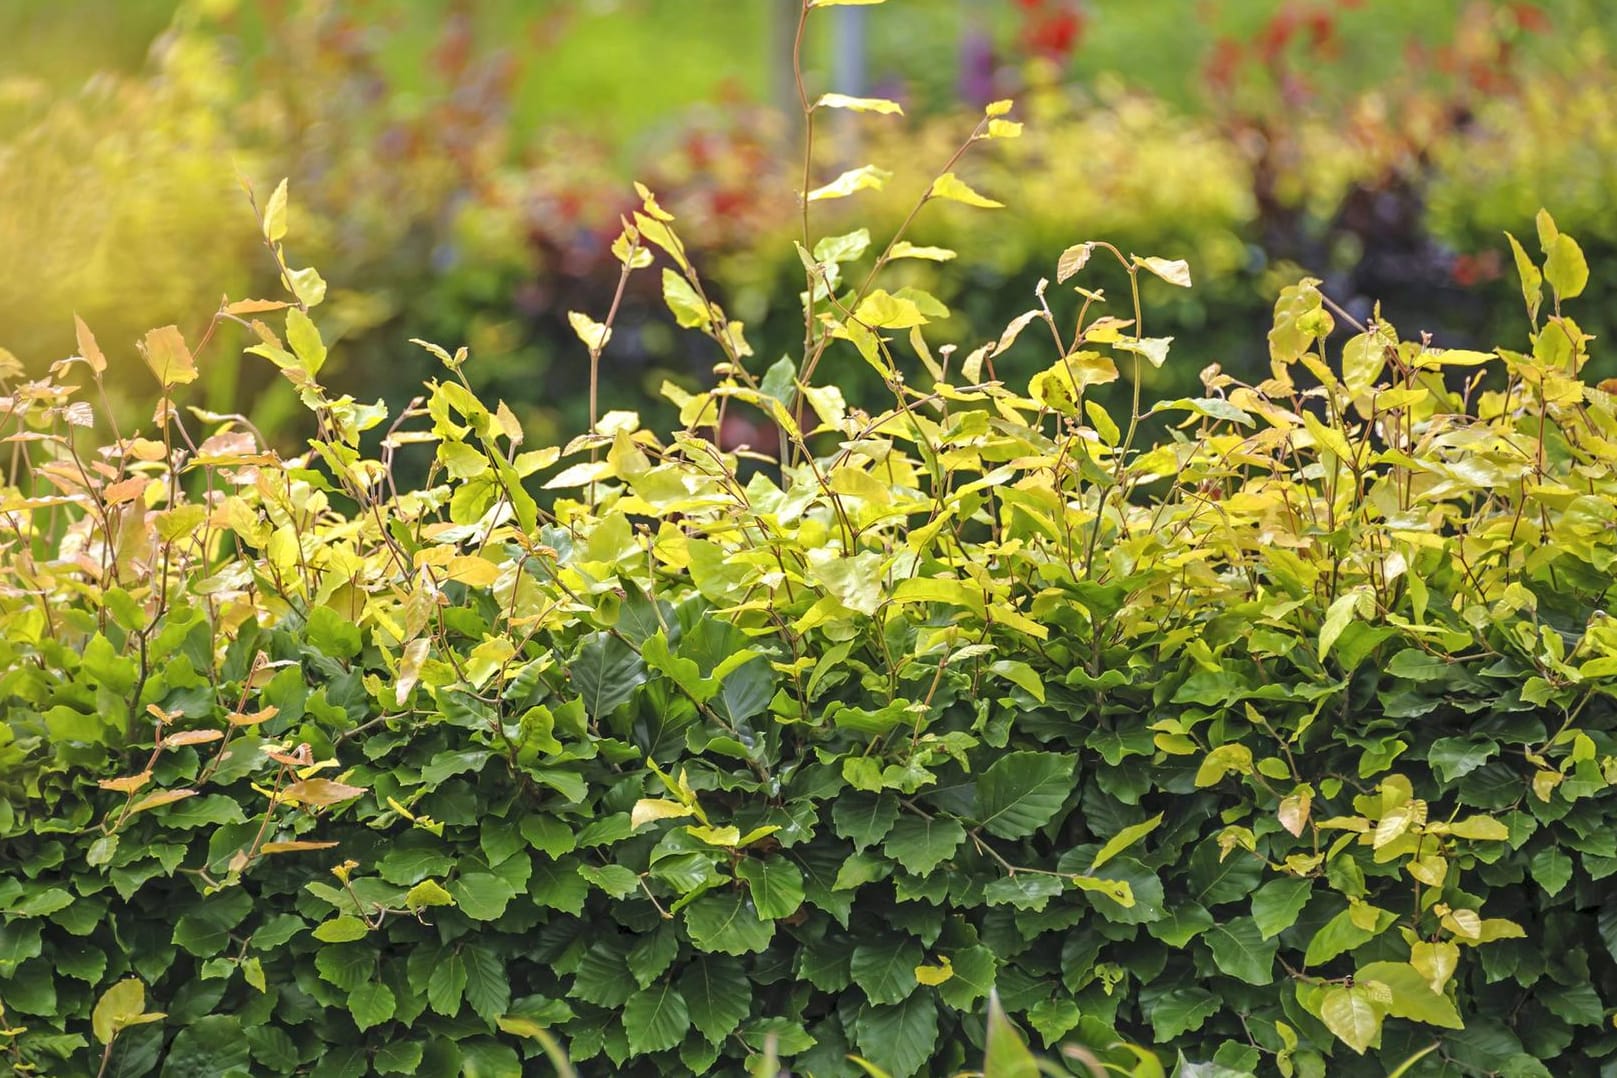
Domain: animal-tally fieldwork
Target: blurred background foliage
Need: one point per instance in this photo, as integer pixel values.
(457, 169)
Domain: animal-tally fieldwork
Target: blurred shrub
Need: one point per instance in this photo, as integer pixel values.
(121, 198)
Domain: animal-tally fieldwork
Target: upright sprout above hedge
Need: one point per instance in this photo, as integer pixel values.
(1279, 741)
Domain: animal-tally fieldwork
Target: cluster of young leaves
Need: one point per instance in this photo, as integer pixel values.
(1282, 745)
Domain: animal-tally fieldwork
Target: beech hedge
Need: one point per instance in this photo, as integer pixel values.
(1279, 742)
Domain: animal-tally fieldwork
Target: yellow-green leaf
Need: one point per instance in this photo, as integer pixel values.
(275, 213)
(865, 177)
(1072, 260)
(859, 104)
(592, 333)
(1124, 839)
(1348, 1013)
(954, 189)
(168, 356)
(906, 249)
(121, 1006)
(1531, 279)
(648, 809)
(1176, 271)
(307, 285)
(305, 340)
(88, 348)
(428, 892)
(1565, 268)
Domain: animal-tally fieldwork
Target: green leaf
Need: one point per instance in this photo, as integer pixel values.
(341, 930)
(975, 968)
(547, 834)
(864, 818)
(1337, 617)
(898, 1038)
(653, 953)
(1242, 951)
(1181, 924)
(482, 896)
(682, 671)
(1179, 1010)
(346, 965)
(1025, 890)
(1336, 936)
(1017, 672)
(1552, 870)
(615, 880)
(1277, 904)
(1054, 1018)
(210, 1047)
(398, 1057)
(1412, 997)
(775, 884)
(1577, 1003)
(1349, 1013)
(446, 985)
(605, 674)
(1453, 758)
(1021, 791)
(885, 968)
(371, 1004)
(717, 994)
(602, 974)
(488, 990)
(557, 885)
(305, 340)
(655, 1019)
(1006, 1056)
(727, 924)
(921, 844)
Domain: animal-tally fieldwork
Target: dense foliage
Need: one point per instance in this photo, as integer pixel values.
(1281, 743)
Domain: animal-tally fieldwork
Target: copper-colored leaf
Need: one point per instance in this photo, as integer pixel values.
(191, 737)
(255, 306)
(160, 798)
(169, 356)
(87, 346)
(126, 490)
(321, 792)
(126, 784)
(1294, 811)
(294, 846)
